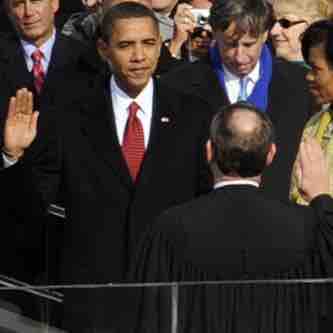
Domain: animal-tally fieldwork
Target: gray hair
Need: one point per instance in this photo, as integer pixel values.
(253, 16)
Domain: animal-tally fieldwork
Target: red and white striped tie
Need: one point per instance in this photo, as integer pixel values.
(133, 147)
(37, 69)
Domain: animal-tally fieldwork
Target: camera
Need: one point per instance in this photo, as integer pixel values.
(201, 16)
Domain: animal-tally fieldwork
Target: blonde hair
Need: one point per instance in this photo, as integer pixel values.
(313, 10)
(328, 5)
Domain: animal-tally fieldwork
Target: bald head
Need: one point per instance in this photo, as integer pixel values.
(241, 137)
(244, 123)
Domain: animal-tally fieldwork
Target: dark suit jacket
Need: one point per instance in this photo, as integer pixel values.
(289, 107)
(106, 213)
(236, 233)
(15, 75)
(64, 63)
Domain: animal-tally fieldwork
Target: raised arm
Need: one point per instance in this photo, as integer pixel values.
(312, 171)
(20, 125)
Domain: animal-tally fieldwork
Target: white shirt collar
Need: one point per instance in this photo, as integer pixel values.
(144, 99)
(121, 102)
(235, 182)
(46, 48)
(254, 75)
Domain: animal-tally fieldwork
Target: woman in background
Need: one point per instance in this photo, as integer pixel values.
(291, 18)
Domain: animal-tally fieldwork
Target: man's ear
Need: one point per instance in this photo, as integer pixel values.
(271, 154)
(209, 151)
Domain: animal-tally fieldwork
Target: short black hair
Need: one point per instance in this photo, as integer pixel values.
(320, 32)
(238, 152)
(124, 10)
(253, 16)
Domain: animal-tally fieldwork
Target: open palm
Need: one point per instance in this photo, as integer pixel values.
(21, 124)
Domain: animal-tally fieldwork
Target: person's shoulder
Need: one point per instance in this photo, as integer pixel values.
(75, 46)
(290, 79)
(289, 69)
(9, 42)
(185, 215)
(315, 119)
(183, 100)
(189, 72)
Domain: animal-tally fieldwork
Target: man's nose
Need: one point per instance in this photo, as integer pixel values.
(138, 53)
(27, 8)
(276, 29)
(240, 54)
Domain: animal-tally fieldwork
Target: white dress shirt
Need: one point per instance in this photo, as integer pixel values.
(223, 183)
(29, 48)
(121, 102)
(232, 82)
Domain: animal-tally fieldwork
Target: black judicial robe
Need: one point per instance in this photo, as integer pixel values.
(235, 233)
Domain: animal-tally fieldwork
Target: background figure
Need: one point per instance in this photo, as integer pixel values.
(192, 34)
(164, 10)
(316, 47)
(83, 25)
(291, 18)
(236, 233)
(36, 55)
(240, 66)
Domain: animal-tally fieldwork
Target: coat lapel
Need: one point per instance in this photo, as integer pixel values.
(102, 134)
(163, 124)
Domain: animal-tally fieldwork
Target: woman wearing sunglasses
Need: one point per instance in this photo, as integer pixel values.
(292, 17)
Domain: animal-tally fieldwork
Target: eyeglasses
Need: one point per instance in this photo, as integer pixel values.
(286, 24)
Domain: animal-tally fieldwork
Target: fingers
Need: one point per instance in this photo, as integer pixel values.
(298, 173)
(29, 103)
(33, 121)
(12, 108)
(311, 152)
(313, 173)
(184, 18)
(24, 102)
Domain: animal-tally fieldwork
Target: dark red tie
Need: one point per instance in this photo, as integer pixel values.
(37, 70)
(133, 143)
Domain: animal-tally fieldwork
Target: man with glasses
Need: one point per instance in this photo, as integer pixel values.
(240, 67)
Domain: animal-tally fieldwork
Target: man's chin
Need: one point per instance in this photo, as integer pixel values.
(242, 71)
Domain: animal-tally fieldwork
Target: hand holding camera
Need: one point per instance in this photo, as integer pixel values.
(187, 19)
(201, 16)
(184, 22)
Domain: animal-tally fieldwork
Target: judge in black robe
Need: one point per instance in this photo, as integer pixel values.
(235, 234)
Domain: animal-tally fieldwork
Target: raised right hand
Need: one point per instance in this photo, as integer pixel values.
(21, 124)
(312, 170)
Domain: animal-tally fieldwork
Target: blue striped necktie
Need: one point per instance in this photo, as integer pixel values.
(242, 92)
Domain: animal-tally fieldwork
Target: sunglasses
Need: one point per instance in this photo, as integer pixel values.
(286, 24)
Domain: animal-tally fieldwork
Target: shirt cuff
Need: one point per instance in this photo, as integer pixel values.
(8, 162)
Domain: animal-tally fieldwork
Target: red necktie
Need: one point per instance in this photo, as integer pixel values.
(133, 143)
(37, 70)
